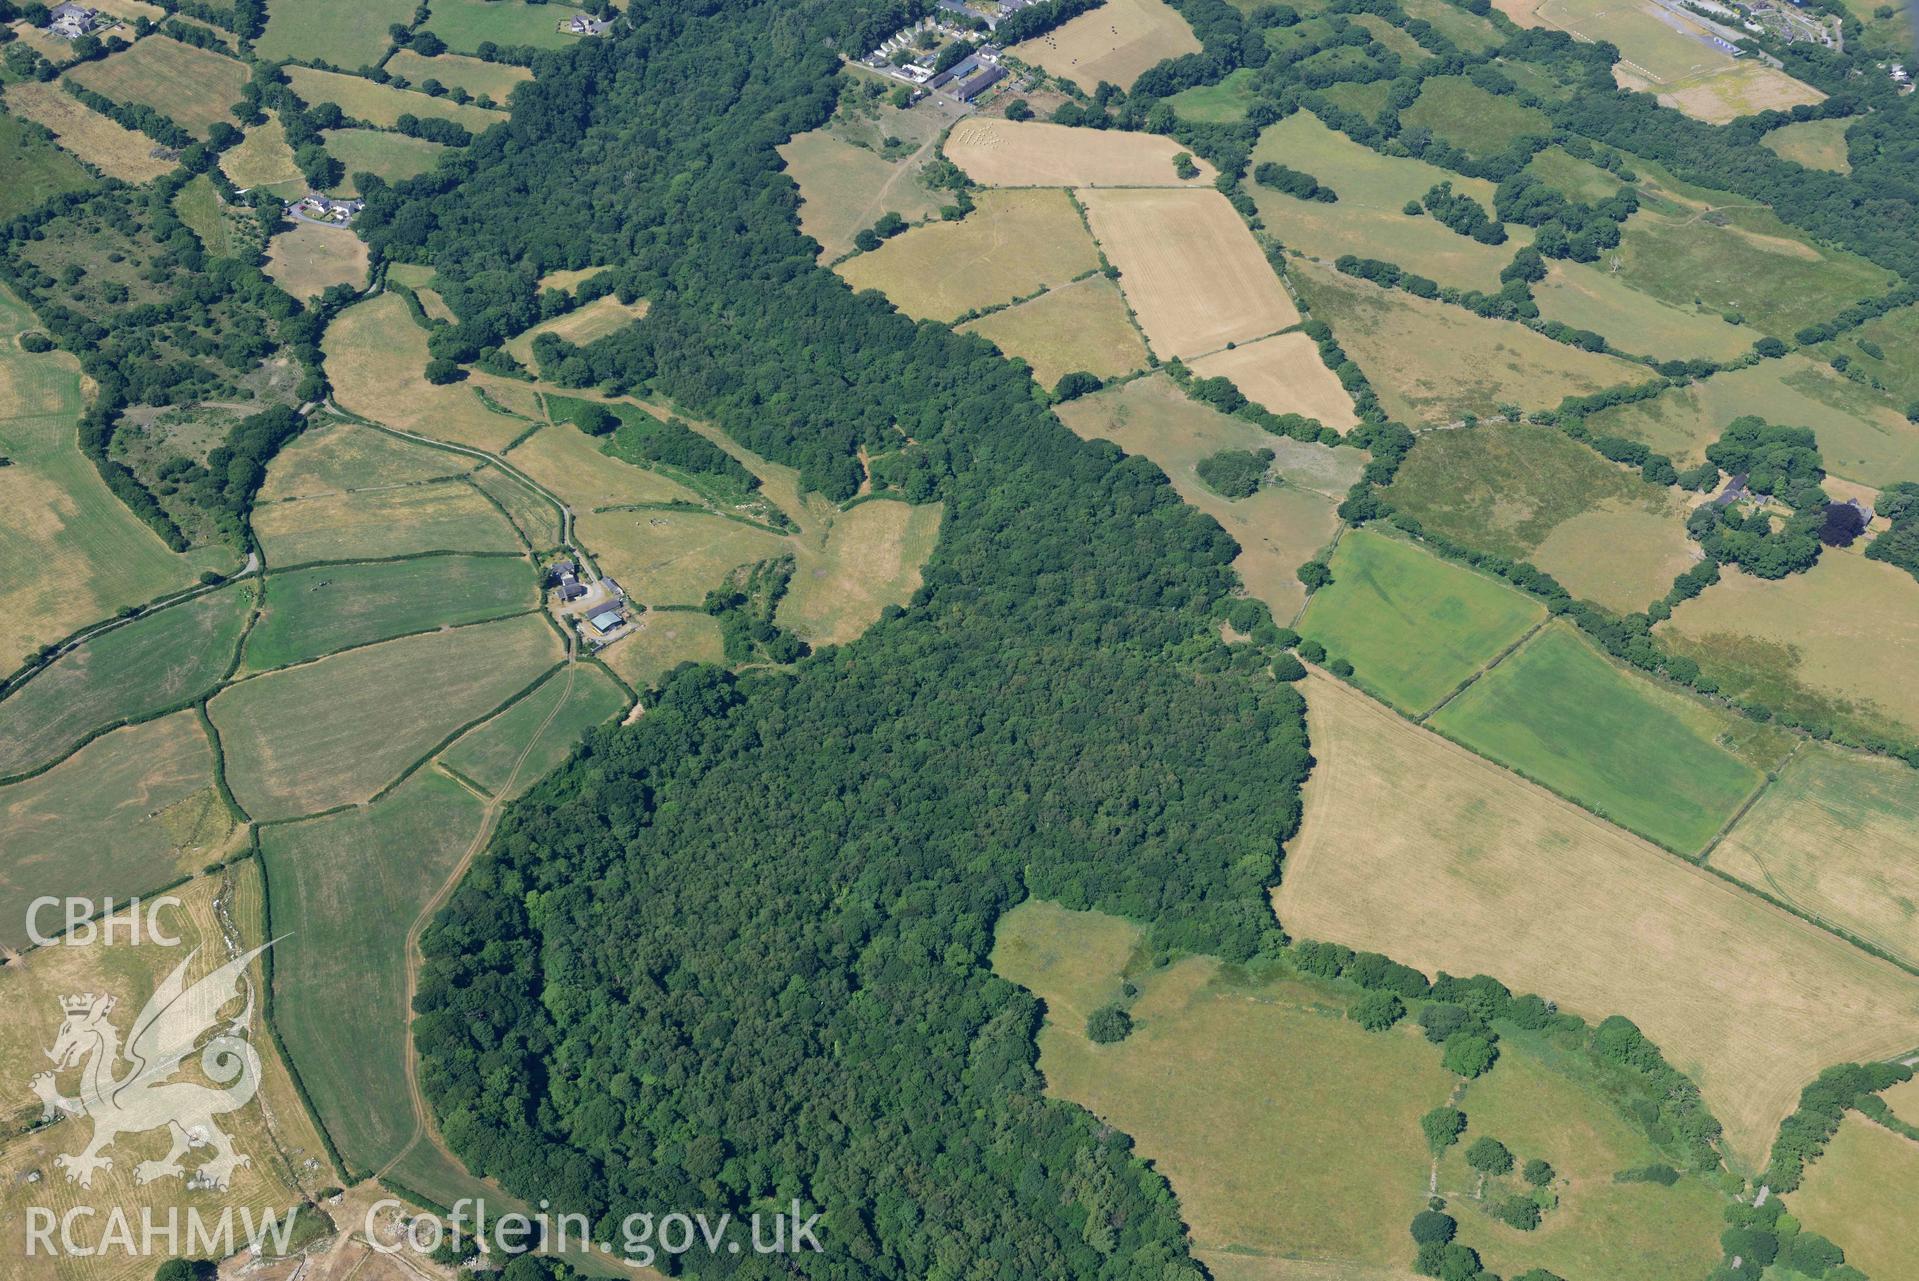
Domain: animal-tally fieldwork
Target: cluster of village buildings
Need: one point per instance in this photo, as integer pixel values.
(901, 57)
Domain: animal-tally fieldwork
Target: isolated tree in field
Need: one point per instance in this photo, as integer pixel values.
(1489, 1156)
(1431, 1227)
(1538, 1172)
(1442, 1127)
(1109, 1023)
(1183, 166)
(440, 371)
(1377, 1011)
(1315, 575)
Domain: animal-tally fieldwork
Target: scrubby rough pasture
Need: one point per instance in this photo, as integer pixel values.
(1114, 42)
(1431, 363)
(1239, 1090)
(1285, 375)
(337, 731)
(1746, 89)
(1014, 244)
(844, 188)
(1748, 1000)
(1079, 326)
(447, 515)
(108, 145)
(1191, 270)
(1533, 494)
(336, 457)
(1031, 153)
(1842, 638)
(1470, 118)
(195, 88)
(1277, 529)
(861, 560)
(36, 168)
(127, 813)
(1559, 712)
(146, 666)
(1588, 297)
(1413, 626)
(1837, 837)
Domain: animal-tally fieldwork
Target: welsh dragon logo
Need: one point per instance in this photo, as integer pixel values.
(143, 1097)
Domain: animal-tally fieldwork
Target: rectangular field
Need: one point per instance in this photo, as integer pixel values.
(1114, 42)
(668, 639)
(355, 882)
(392, 156)
(1475, 121)
(37, 170)
(133, 670)
(318, 611)
(445, 516)
(1412, 625)
(126, 814)
(495, 80)
(383, 105)
(1837, 836)
(1013, 244)
(1840, 640)
(1032, 153)
(467, 24)
(1652, 760)
(1285, 375)
(1744, 89)
(1081, 326)
(1220, 1092)
(333, 456)
(674, 557)
(1748, 1000)
(524, 743)
(1587, 297)
(1278, 529)
(192, 87)
(351, 35)
(337, 731)
(1192, 271)
(107, 145)
(1430, 363)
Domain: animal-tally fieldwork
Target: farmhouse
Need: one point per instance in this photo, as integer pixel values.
(582, 24)
(1734, 491)
(71, 21)
(314, 207)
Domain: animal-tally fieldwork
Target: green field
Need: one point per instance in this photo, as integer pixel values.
(1222, 103)
(338, 731)
(338, 457)
(1896, 368)
(1482, 124)
(1816, 144)
(392, 156)
(1560, 712)
(129, 812)
(1534, 494)
(36, 169)
(1469, 31)
(440, 516)
(383, 105)
(465, 25)
(1587, 297)
(1283, 1128)
(312, 612)
(1837, 837)
(351, 35)
(1572, 177)
(161, 661)
(495, 80)
(521, 745)
(1412, 625)
(1862, 437)
(193, 87)
(1858, 1194)
(343, 891)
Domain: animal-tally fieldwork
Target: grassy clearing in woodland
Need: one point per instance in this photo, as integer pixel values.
(844, 188)
(1816, 144)
(307, 260)
(1749, 1001)
(393, 157)
(866, 558)
(1413, 626)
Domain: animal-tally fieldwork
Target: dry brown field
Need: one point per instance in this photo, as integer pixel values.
(597, 319)
(1285, 374)
(306, 260)
(1031, 153)
(109, 146)
(1749, 1001)
(1861, 1193)
(861, 560)
(376, 359)
(1744, 89)
(844, 188)
(195, 88)
(448, 516)
(262, 159)
(1082, 325)
(1114, 42)
(1192, 271)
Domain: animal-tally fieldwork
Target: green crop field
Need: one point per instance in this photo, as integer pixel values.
(1482, 124)
(1642, 756)
(344, 890)
(1534, 494)
(1837, 836)
(495, 80)
(37, 170)
(153, 663)
(129, 812)
(1222, 103)
(1412, 625)
(442, 516)
(318, 611)
(351, 35)
(1219, 1092)
(383, 105)
(465, 25)
(1862, 437)
(521, 745)
(338, 731)
(392, 156)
